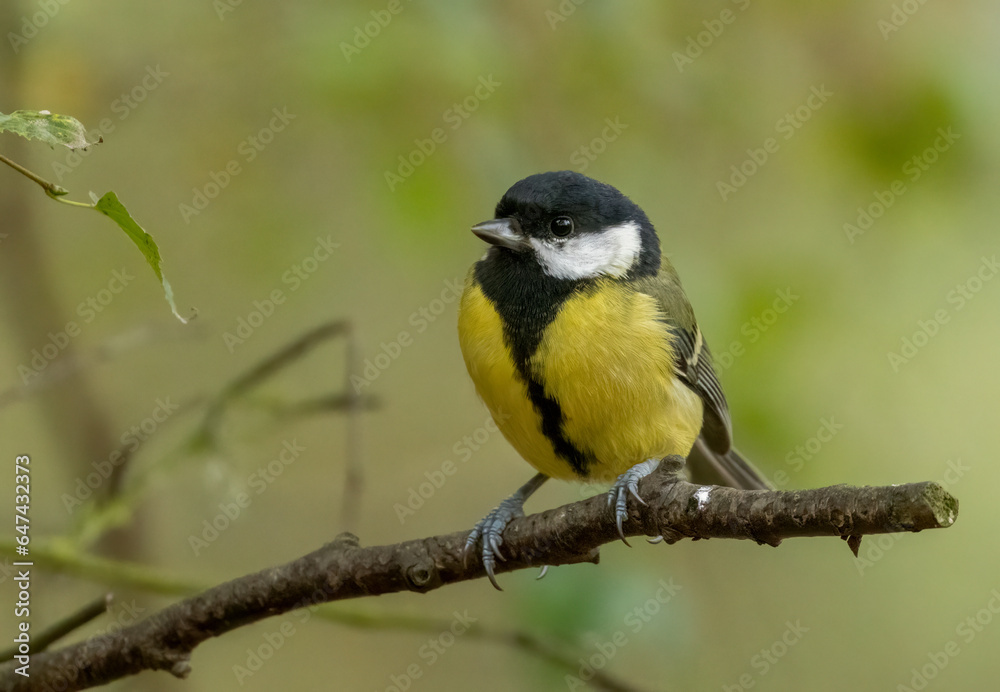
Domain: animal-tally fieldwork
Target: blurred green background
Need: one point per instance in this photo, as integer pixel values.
(692, 90)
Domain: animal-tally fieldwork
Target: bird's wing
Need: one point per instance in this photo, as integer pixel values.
(693, 363)
(712, 460)
(692, 358)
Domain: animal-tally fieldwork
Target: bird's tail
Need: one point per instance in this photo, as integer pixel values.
(709, 467)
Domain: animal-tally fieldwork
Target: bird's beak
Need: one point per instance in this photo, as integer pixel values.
(502, 233)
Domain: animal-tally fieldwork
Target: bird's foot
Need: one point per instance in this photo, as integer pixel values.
(628, 483)
(490, 529)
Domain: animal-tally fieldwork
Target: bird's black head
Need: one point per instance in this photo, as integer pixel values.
(575, 227)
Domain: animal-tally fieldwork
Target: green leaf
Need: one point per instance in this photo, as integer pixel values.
(116, 211)
(48, 127)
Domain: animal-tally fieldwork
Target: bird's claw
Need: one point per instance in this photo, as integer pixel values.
(628, 484)
(490, 529)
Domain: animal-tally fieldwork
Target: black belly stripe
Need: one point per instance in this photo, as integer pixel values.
(552, 422)
(527, 301)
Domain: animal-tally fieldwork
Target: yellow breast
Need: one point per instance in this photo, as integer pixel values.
(607, 360)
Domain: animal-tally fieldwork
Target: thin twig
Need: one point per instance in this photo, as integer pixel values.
(58, 556)
(328, 403)
(353, 488)
(50, 188)
(126, 452)
(263, 370)
(517, 639)
(116, 507)
(40, 642)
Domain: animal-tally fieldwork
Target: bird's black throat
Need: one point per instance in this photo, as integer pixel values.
(528, 300)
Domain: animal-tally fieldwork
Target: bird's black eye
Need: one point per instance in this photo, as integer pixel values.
(561, 226)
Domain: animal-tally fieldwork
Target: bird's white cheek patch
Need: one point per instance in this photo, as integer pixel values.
(609, 252)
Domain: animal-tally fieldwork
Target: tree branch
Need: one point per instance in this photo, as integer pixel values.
(570, 534)
(47, 556)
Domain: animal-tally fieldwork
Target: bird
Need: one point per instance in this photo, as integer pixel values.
(581, 342)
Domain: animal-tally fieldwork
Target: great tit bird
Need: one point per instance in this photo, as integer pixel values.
(581, 342)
